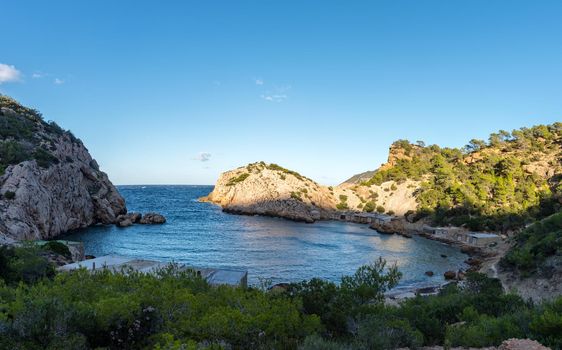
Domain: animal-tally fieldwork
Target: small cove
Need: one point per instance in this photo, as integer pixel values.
(200, 234)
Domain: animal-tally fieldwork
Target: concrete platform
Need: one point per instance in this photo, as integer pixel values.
(120, 263)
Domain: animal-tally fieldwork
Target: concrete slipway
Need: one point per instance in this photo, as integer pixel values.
(119, 263)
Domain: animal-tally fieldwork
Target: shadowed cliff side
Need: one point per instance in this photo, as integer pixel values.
(49, 183)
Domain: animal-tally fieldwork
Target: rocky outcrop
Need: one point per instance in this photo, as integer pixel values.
(56, 187)
(152, 218)
(268, 189)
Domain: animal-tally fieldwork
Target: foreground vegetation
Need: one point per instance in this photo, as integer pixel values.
(536, 246)
(175, 309)
(499, 185)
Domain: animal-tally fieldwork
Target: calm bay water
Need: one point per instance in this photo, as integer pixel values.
(200, 234)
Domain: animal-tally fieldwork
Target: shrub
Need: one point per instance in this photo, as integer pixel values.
(485, 331)
(12, 152)
(44, 158)
(380, 209)
(25, 264)
(379, 331)
(297, 196)
(369, 207)
(58, 247)
(9, 195)
(238, 179)
(315, 342)
(546, 324)
(342, 206)
(390, 212)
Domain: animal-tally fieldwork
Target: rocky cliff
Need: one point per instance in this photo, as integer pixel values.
(269, 189)
(49, 183)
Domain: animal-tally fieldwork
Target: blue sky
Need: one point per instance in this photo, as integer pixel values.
(180, 91)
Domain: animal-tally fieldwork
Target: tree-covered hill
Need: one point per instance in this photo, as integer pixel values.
(504, 183)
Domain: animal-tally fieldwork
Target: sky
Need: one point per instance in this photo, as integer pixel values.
(176, 92)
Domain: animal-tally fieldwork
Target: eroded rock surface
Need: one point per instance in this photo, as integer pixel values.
(56, 187)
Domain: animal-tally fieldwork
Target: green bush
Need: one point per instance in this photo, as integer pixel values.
(23, 264)
(535, 244)
(315, 342)
(297, 196)
(546, 324)
(342, 206)
(9, 195)
(486, 331)
(12, 152)
(58, 247)
(379, 331)
(369, 207)
(380, 209)
(44, 158)
(238, 179)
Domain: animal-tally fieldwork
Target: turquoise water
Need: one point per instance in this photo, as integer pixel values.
(200, 234)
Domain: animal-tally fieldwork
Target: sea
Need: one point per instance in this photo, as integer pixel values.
(272, 250)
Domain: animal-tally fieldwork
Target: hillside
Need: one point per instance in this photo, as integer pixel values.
(499, 185)
(49, 183)
(502, 184)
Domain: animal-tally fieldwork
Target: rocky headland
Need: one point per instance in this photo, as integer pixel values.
(49, 182)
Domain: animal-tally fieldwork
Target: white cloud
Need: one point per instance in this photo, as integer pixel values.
(38, 75)
(58, 81)
(259, 81)
(279, 94)
(275, 97)
(203, 157)
(8, 73)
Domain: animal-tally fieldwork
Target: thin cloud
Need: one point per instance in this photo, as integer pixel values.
(275, 97)
(279, 94)
(38, 75)
(203, 157)
(9, 73)
(259, 81)
(58, 81)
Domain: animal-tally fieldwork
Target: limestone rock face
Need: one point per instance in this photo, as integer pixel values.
(267, 189)
(64, 197)
(40, 199)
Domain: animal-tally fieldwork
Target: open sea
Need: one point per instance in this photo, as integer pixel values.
(200, 234)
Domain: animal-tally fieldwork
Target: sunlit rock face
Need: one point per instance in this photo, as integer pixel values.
(268, 189)
(53, 185)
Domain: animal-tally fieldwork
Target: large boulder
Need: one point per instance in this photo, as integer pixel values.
(450, 275)
(152, 218)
